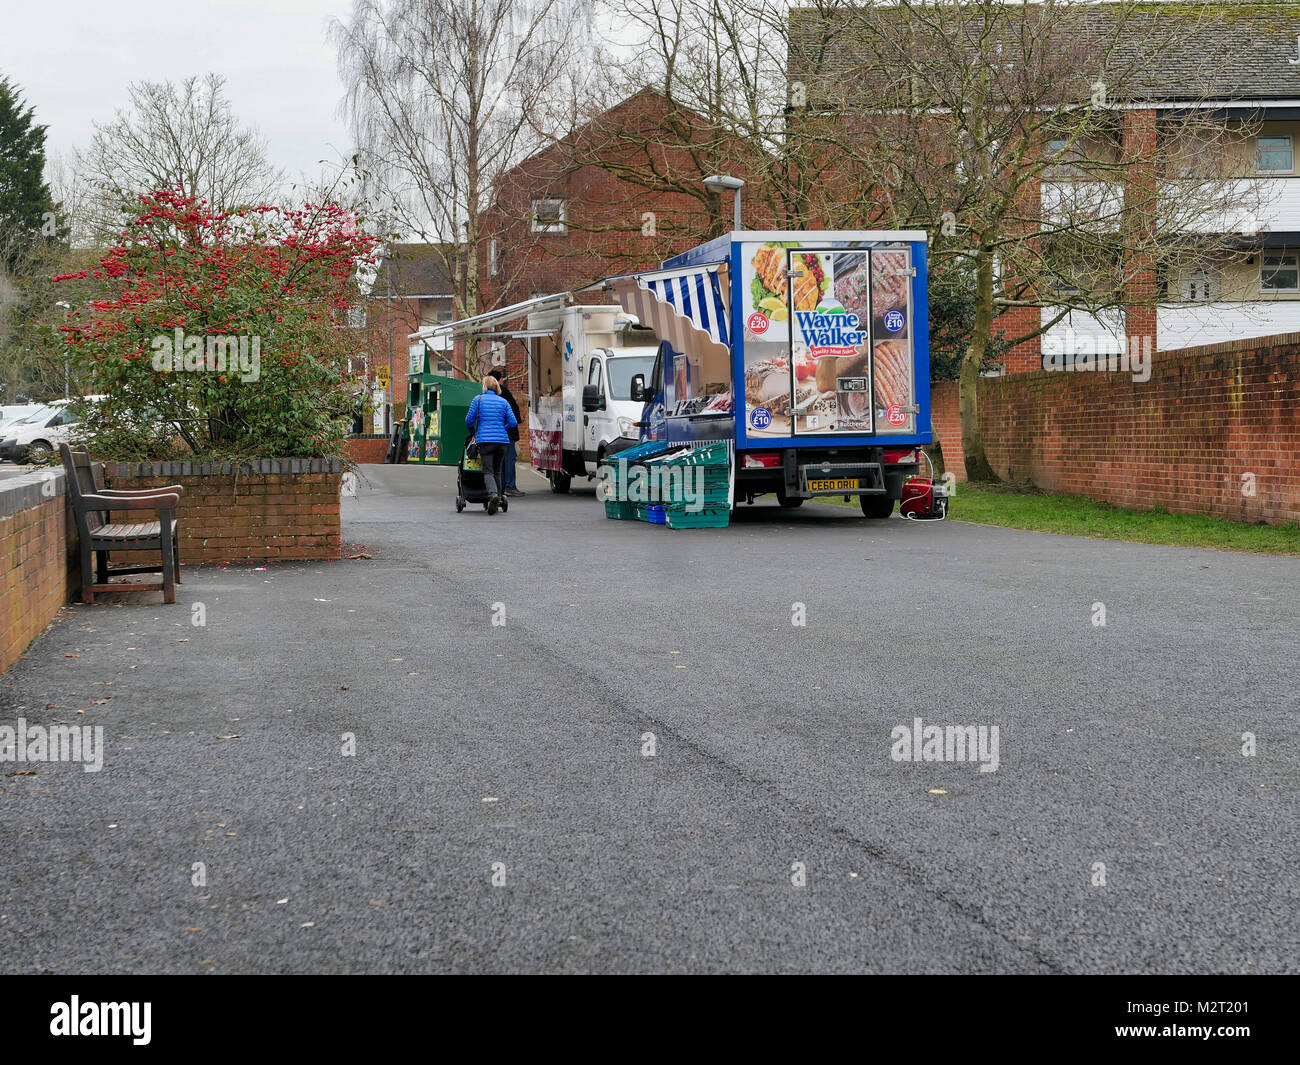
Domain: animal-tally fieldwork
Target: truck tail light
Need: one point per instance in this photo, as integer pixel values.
(763, 460)
(894, 457)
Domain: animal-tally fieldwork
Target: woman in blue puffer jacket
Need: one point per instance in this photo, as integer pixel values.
(490, 419)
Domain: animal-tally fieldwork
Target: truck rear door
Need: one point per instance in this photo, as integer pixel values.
(843, 318)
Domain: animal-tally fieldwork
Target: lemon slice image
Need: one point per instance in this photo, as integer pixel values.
(771, 303)
(780, 315)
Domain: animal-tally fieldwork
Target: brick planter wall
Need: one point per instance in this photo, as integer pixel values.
(38, 558)
(271, 509)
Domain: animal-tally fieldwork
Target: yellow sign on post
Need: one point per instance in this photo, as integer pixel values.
(381, 377)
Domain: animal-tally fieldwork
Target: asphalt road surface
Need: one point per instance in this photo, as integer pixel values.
(503, 810)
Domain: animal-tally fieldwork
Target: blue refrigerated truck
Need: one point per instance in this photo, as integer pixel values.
(807, 352)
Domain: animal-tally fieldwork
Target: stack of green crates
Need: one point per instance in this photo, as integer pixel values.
(618, 507)
(707, 462)
(709, 510)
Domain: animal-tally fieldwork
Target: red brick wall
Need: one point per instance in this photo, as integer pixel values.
(1181, 440)
(1027, 356)
(281, 509)
(945, 414)
(38, 563)
(361, 449)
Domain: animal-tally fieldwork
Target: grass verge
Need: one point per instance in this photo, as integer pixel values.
(1020, 508)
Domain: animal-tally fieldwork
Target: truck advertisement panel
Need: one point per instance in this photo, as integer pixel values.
(827, 340)
(545, 434)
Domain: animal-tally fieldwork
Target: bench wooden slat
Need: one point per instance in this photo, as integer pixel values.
(141, 531)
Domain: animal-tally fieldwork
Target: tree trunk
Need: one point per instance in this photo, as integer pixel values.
(972, 437)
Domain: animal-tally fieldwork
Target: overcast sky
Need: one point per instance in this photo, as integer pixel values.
(73, 60)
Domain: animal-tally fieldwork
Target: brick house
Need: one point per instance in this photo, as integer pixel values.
(412, 288)
(621, 192)
(1235, 62)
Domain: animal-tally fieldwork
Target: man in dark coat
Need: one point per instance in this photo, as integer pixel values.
(512, 456)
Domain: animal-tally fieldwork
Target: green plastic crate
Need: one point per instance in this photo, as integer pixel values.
(710, 517)
(620, 511)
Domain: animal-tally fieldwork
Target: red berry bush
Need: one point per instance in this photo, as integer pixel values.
(222, 335)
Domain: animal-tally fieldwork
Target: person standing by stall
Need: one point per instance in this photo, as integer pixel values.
(512, 454)
(490, 419)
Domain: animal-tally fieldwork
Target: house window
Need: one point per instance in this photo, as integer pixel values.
(1198, 286)
(1065, 286)
(1279, 273)
(493, 261)
(548, 216)
(1274, 155)
(1064, 159)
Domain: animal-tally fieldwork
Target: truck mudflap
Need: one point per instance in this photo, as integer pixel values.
(842, 479)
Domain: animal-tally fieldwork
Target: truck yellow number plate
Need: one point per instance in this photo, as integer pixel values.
(832, 486)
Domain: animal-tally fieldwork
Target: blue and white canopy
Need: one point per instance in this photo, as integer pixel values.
(687, 306)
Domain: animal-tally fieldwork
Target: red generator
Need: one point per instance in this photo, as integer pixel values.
(923, 500)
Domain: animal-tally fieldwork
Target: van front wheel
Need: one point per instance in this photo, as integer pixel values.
(559, 482)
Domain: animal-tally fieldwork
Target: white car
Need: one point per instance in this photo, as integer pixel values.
(34, 437)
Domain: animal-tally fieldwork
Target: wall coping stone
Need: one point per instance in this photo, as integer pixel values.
(28, 490)
(224, 469)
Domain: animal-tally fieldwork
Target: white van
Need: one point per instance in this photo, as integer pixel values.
(33, 438)
(16, 412)
(580, 369)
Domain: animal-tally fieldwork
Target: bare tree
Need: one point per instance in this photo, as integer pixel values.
(1021, 137)
(999, 128)
(172, 136)
(442, 96)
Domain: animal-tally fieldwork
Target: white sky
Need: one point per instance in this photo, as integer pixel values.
(73, 60)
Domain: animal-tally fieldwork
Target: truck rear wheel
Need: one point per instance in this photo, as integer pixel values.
(876, 506)
(559, 482)
(788, 502)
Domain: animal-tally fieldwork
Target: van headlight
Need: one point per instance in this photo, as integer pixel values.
(627, 427)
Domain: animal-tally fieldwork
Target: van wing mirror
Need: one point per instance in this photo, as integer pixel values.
(638, 388)
(592, 398)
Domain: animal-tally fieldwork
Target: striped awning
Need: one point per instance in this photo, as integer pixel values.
(685, 306)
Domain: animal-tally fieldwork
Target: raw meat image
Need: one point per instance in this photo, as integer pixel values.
(852, 285)
(889, 282)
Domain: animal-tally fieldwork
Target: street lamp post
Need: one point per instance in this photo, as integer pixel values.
(726, 181)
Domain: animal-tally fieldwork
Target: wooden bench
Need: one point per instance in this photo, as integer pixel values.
(98, 537)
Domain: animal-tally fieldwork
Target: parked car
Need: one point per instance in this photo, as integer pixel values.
(34, 437)
(16, 412)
